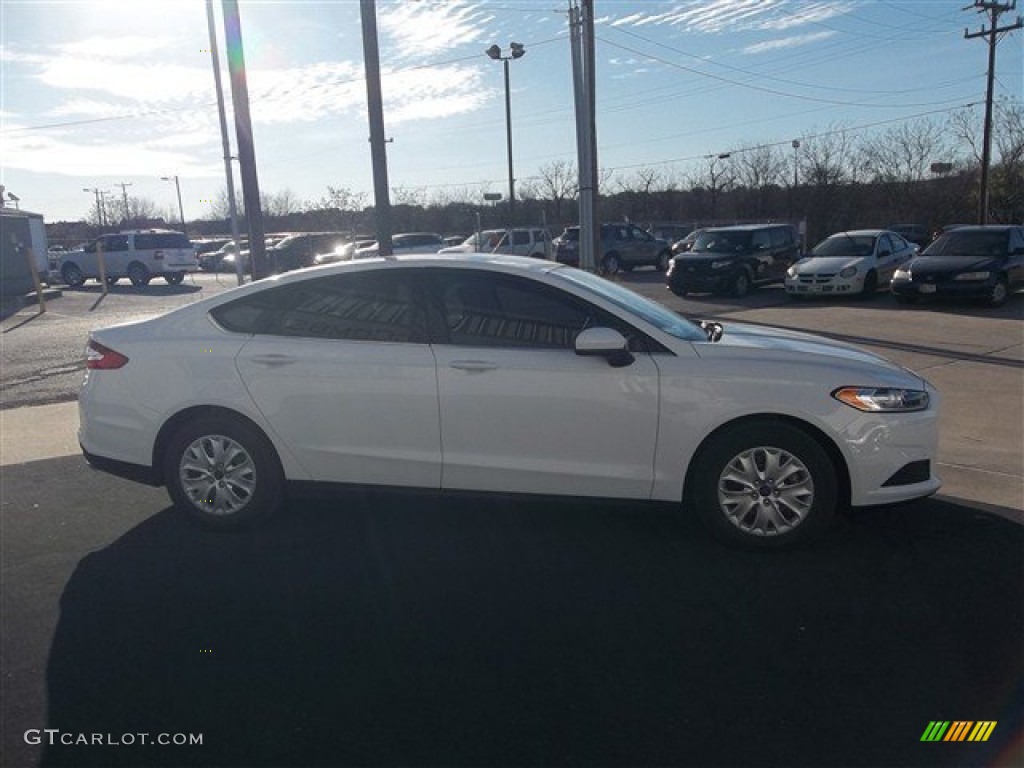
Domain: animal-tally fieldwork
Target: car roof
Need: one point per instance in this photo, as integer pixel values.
(984, 228)
(863, 232)
(747, 227)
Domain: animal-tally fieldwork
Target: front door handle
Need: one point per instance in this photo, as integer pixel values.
(273, 359)
(473, 366)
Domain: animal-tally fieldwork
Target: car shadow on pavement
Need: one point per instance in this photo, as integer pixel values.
(393, 628)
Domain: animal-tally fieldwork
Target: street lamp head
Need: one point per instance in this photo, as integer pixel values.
(517, 50)
(796, 143)
(494, 52)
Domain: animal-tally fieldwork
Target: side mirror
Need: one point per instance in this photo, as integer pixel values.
(606, 343)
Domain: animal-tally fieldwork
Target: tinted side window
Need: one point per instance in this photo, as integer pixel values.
(760, 239)
(146, 242)
(365, 306)
(520, 237)
(113, 243)
(781, 237)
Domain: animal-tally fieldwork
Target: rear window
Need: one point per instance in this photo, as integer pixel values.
(164, 240)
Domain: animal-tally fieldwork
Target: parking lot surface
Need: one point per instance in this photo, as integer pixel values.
(401, 628)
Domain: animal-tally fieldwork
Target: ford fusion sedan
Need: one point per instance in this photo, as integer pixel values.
(984, 263)
(493, 373)
(849, 263)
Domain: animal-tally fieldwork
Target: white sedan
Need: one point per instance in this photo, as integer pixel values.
(849, 263)
(500, 374)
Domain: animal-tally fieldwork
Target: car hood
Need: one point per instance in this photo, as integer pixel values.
(788, 347)
(939, 265)
(814, 264)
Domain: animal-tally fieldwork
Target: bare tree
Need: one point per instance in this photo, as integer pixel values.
(756, 169)
(713, 177)
(281, 203)
(558, 182)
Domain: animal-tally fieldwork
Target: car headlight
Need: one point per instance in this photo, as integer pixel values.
(721, 264)
(791, 271)
(882, 399)
(901, 274)
(848, 272)
(973, 276)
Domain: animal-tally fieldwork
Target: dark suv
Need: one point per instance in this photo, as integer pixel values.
(297, 251)
(623, 246)
(734, 259)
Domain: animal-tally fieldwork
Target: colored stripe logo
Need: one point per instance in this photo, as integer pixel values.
(958, 730)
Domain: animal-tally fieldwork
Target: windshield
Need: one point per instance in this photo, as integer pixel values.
(972, 245)
(721, 242)
(845, 245)
(634, 304)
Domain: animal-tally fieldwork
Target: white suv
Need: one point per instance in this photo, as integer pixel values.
(534, 242)
(140, 255)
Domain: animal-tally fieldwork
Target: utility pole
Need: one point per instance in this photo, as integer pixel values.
(243, 133)
(993, 33)
(378, 142)
(581, 35)
(124, 193)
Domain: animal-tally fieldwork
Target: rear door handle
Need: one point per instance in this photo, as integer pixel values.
(474, 366)
(273, 359)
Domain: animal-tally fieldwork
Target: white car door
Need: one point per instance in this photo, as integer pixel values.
(520, 410)
(345, 377)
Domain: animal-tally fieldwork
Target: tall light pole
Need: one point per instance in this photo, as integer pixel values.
(516, 50)
(181, 211)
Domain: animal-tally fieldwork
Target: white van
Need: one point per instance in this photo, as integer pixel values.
(140, 255)
(526, 241)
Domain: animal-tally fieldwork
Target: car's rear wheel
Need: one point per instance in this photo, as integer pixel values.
(72, 275)
(611, 265)
(764, 485)
(663, 260)
(174, 278)
(223, 472)
(138, 274)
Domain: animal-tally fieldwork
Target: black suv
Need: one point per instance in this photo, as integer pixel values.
(734, 259)
(623, 246)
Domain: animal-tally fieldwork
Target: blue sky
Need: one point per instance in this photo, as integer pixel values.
(99, 93)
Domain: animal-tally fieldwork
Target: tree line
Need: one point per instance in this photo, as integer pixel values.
(924, 172)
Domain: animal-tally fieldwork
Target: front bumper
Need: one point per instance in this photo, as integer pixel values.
(960, 289)
(699, 279)
(824, 285)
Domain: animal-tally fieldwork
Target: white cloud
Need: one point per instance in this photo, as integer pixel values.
(719, 16)
(787, 42)
(425, 29)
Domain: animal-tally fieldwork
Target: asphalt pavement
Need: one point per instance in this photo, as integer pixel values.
(401, 628)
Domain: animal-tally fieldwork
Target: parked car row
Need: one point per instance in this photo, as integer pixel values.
(973, 262)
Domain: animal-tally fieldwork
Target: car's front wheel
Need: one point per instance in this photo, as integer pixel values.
(741, 284)
(611, 265)
(223, 472)
(870, 285)
(998, 293)
(663, 261)
(764, 484)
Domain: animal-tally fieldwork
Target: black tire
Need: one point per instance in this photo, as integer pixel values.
(662, 262)
(762, 511)
(903, 299)
(138, 274)
(112, 280)
(611, 264)
(174, 278)
(870, 285)
(997, 295)
(223, 473)
(681, 292)
(72, 275)
(740, 284)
